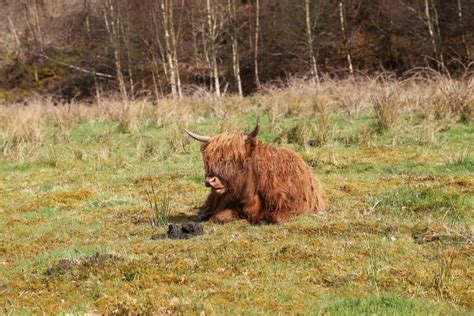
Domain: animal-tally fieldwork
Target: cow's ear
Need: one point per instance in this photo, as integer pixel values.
(204, 146)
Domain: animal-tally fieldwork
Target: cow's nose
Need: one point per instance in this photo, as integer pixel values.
(207, 183)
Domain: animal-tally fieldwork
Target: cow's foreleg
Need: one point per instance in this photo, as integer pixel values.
(221, 210)
(253, 209)
(210, 206)
(225, 216)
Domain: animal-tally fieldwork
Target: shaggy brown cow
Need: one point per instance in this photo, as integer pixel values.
(260, 182)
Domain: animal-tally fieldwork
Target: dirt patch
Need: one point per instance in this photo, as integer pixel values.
(68, 197)
(427, 235)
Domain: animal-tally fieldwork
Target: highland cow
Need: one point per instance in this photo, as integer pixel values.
(260, 182)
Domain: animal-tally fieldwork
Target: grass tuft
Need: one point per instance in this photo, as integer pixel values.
(161, 206)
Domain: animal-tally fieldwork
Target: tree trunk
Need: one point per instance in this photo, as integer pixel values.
(193, 33)
(434, 33)
(33, 30)
(208, 59)
(14, 33)
(235, 47)
(38, 25)
(212, 37)
(156, 83)
(96, 81)
(174, 50)
(168, 48)
(310, 39)
(126, 33)
(257, 31)
(463, 35)
(112, 24)
(161, 50)
(345, 38)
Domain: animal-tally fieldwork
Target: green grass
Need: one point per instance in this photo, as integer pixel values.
(76, 223)
(428, 202)
(385, 304)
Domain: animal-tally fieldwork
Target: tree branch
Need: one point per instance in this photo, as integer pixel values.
(99, 74)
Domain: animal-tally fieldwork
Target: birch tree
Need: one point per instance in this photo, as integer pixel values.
(33, 22)
(310, 40)
(89, 36)
(212, 25)
(127, 34)
(432, 23)
(345, 38)
(158, 42)
(463, 30)
(112, 24)
(257, 32)
(235, 45)
(170, 46)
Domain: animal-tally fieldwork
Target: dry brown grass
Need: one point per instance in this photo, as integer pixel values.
(437, 97)
(386, 103)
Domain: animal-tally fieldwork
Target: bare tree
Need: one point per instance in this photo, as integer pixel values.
(310, 40)
(125, 29)
(112, 23)
(463, 35)
(31, 12)
(12, 29)
(345, 38)
(432, 22)
(89, 35)
(235, 45)
(194, 33)
(170, 46)
(257, 32)
(157, 40)
(212, 24)
(174, 48)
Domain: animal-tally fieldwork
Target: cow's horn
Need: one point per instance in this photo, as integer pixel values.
(254, 133)
(204, 139)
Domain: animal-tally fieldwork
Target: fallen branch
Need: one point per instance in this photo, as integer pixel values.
(99, 74)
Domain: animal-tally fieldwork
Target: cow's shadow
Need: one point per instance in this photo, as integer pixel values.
(197, 215)
(182, 218)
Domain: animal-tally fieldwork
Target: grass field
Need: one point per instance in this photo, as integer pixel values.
(83, 188)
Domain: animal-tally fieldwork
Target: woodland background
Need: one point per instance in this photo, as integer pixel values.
(85, 49)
